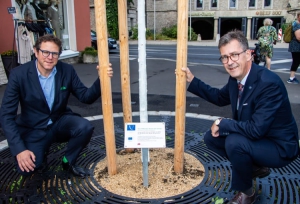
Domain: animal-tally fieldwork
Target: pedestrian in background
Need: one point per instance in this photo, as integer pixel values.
(267, 36)
(263, 132)
(294, 48)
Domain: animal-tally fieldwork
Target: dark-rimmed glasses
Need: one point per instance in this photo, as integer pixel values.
(46, 53)
(234, 57)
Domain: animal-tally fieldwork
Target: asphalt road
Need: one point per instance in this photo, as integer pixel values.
(207, 55)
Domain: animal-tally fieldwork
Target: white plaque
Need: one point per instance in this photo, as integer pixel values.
(145, 135)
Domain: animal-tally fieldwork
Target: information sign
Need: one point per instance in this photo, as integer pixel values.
(145, 135)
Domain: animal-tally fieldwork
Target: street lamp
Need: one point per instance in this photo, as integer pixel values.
(288, 6)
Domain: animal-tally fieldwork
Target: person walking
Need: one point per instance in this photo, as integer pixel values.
(42, 88)
(263, 133)
(267, 36)
(294, 48)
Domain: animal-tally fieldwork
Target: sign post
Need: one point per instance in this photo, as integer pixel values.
(145, 136)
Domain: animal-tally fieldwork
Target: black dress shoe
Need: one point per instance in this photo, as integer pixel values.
(261, 172)
(241, 198)
(75, 170)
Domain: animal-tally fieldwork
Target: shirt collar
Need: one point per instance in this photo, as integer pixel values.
(243, 82)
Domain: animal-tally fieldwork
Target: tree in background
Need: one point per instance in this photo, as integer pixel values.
(112, 17)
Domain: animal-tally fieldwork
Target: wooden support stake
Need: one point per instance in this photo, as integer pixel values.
(106, 93)
(180, 107)
(124, 63)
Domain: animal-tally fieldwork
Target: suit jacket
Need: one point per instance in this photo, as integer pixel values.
(264, 110)
(24, 88)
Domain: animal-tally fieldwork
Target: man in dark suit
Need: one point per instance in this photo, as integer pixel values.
(42, 88)
(263, 132)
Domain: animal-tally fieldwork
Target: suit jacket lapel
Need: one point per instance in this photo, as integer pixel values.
(233, 96)
(248, 88)
(33, 77)
(58, 83)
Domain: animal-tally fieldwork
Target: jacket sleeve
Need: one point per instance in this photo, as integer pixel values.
(265, 108)
(9, 110)
(219, 97)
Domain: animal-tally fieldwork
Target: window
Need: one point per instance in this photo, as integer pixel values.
(252, 3)
(214, 3)
(267, 3)
(232, 3)
(199, 3)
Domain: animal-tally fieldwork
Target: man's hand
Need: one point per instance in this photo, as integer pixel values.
(110, 71)
(214, 130)
(189, 74)
(26, 160)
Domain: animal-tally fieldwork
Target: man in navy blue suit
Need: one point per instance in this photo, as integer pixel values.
(262, 133)
(42, 88)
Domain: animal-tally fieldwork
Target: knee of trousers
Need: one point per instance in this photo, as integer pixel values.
(85, 128)
(236, 144)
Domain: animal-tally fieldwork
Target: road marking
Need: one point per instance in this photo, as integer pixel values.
(280, 61)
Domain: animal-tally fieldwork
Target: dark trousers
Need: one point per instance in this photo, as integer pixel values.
(73, 129)
(244, 154)
(296, 61)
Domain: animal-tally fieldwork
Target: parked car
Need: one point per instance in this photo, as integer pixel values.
(112, 43)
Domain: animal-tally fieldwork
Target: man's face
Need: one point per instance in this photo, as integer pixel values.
(240, 66)
(47, 61)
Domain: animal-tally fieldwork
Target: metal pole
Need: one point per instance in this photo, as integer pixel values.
(190, 20)
(154, 18)
(143, 81)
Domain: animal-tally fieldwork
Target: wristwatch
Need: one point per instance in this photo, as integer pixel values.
(217, 122)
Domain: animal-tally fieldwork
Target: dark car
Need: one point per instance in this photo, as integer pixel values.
(112, 43)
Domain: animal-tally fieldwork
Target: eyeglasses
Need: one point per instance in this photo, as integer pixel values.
(46, 53)
(234, 57)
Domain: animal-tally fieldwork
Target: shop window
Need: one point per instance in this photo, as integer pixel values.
(267, 3)
(252, 3)
(40, 17)
(199, 3)
(214, 3)
(232, 3)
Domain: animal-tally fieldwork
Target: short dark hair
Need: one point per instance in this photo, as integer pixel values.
(48, 38)
(234, 35)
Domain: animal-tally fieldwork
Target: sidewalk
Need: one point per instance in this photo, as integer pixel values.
(202, 43)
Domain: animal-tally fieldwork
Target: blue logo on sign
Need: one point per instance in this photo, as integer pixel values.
(129, 138)
(130, 127)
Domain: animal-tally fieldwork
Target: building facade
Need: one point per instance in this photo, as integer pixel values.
(213, 18)
(67, 19)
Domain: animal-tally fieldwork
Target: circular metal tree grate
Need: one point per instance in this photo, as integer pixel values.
(57, 186)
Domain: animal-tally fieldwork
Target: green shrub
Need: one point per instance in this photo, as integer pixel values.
(170, 32)
(90, 51)
(9, 53)
(194, 36)
(135, 33)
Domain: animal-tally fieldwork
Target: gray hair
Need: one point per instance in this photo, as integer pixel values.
(234, 35)
(268, 22)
